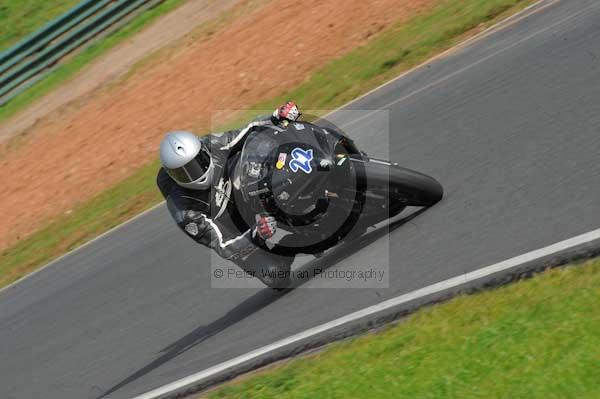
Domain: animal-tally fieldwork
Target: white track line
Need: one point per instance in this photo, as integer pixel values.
(500, 25)
(474, 64)
(503, 24)
(371, 310)
(391, 303)
(411, 296)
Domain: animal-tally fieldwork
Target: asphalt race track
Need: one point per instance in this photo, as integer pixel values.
(510, 124)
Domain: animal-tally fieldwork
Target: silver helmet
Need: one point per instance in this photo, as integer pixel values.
(186, 160)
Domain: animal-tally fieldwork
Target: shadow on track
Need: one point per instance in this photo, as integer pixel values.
(257, 302)
(345, 250)
(202, 333)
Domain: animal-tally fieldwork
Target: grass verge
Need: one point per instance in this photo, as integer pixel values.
(538, 338)
(393, 51)
(396, 50)
(23, 17)
(130, 197)
(75, 64)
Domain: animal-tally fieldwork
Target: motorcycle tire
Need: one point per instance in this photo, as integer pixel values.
(403, 185)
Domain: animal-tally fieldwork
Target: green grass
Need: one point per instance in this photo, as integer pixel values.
(19, 18)
(392, 52)
(396, 50)
(72, 66)
(538, 338)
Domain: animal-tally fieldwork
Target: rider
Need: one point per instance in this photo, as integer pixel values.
(193, 179)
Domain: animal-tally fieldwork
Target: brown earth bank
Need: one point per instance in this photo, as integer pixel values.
(68, 157)
(117, 62)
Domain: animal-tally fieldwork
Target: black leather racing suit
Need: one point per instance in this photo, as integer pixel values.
(209, 216)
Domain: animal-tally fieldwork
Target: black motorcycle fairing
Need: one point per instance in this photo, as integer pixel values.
(320, 199)
(286, 170)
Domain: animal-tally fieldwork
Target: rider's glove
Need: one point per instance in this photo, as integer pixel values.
(265, 226)
(287, 112)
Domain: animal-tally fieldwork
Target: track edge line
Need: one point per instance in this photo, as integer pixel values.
(574, 249)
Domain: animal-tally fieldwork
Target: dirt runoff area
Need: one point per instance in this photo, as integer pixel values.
(67, 157)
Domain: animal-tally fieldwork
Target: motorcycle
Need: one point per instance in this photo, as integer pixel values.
(320, 188)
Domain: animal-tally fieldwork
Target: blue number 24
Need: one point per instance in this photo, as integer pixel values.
(301, 160)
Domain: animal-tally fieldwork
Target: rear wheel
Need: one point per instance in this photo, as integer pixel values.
(417, 189)
(399, 185)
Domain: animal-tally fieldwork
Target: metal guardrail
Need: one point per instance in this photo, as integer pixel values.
(29, 60)
(35, 37)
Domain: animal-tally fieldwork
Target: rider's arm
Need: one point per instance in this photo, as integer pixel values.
(191, 215)
(233, 140)
(211, 233)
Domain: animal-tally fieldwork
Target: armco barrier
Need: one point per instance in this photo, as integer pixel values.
(51, 26)
(40, 41)
(27, 61)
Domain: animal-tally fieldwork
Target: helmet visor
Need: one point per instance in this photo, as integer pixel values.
(194, 169)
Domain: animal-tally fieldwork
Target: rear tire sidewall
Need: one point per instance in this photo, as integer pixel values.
(402, 186)
(415, 188)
